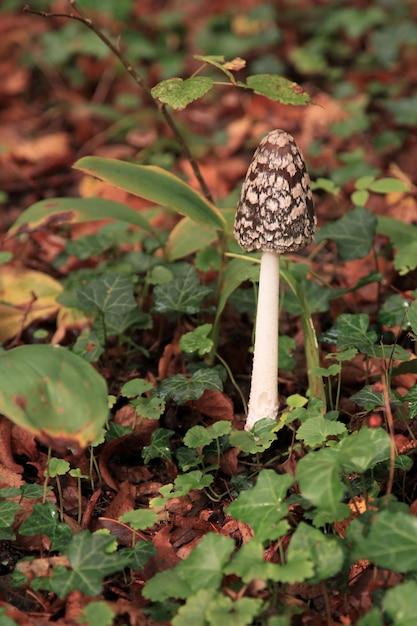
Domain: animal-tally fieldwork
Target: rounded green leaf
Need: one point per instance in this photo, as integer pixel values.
(53, 393)
(278, 88)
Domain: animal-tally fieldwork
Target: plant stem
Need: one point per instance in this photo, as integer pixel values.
(61, 499)
(79, 17)
(233, 381)
(45, 482)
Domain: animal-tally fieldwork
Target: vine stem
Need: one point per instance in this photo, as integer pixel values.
(88, 22)
(390, 423)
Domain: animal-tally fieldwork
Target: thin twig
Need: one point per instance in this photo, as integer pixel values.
(390, 423)
(88, 22)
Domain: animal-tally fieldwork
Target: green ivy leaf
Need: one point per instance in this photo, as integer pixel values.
(159, 448)
(368, 399)
(200, 436)
(278, 88)
(97, 614)
(184, 294)
(411, 398)
(326, 553)
(412, 316)
(183, 484)
(318, 475)
(139, 519)
(364, 449)
(353, 331)
(8, 512)
(44, 520)
(390, 543)
(399, 604)
(110, 298)
(140, 554)
(315, 430)
(259, 439)
(353, 233)
(197, 340)
(223, 610)
(179, 93)
(263, 506)
(90, 563)
(181, 389)
(201, 570)
(394, 311)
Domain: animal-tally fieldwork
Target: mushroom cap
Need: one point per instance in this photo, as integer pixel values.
(275, 211)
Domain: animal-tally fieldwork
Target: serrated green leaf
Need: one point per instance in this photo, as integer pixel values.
(179, 93)
(362, 450)
(155, 184)
(200, 436)
(183, 484)
(263, 506)
(353, 233)
(57, 467)
(149, 408)
(318, 475)
(135, 387)
(278, 88)
(324, 552)
(164, 585)
(400, 605)
(197, 340)
(315, 430)
(184, 294)
(194, 609)
(139, 519)
(259, 439)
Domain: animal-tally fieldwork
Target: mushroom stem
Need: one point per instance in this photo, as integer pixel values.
(263, 401)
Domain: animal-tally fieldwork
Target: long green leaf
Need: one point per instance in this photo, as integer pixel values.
(76, 210)
(154, 184)
(188, 237)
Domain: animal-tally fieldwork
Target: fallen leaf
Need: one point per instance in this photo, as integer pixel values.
(216, 405)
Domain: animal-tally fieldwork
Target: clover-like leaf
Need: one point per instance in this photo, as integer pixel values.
(179, 93)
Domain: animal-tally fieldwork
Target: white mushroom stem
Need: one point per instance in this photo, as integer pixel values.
(263, 400)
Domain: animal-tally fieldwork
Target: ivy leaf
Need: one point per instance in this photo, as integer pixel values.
(394, 311)
(183, 484)
(42, 521)
(256, 440)
(390, 543)
(159, 448)
(318, 475)
(222, 610)
(140, 554)
(326, 553)
(181, 389)
(90, 563)
(353, 331)
(368, 399)
(315, 430)
(278, 88)
(199, 436)
(179, 93)
(353, 233)
(197, 340)
(8, 511)
(263, 506)
(184, 294)
(201, 570)
(364, 449)
(399, 604)
(97, 614)
(412, 316)
(110, 298)
(139, 519)
(411, 398)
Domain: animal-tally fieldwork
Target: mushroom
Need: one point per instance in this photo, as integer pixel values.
(275, 215)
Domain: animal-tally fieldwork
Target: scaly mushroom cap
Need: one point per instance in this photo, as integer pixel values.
(276, 212)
